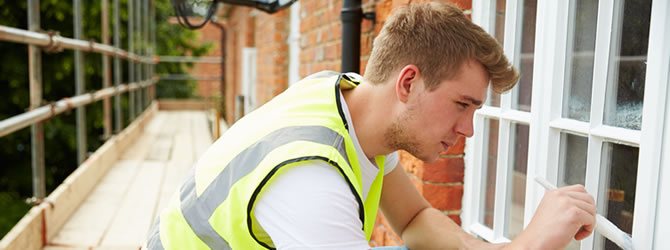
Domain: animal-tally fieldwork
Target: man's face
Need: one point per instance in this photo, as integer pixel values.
(433, 120)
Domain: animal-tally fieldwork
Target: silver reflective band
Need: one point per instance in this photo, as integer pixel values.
(154, 241)
(198, 210)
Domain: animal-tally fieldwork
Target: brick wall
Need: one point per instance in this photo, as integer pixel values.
(271, 43)
(239, 34)
(440, 182)
(209, 33)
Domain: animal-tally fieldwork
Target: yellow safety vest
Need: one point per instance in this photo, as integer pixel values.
(213, 209)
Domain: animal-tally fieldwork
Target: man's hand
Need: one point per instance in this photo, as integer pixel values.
(564, 213)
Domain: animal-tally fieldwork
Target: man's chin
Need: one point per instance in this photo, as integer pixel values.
(429, 158)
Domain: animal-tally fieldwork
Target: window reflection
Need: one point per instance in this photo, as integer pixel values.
(572, 166)
(499, 34)
(579, 59)
(517, 179)
(572, 161)
(616, 199)
(522, 93)
(625, 84)
(490, 157)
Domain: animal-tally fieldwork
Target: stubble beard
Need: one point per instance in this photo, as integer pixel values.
(398, 135)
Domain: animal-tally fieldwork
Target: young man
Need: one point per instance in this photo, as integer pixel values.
(309, 169)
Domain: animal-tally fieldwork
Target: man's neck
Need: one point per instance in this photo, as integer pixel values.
(370, 108)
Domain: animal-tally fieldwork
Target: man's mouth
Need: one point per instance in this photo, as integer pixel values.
(445, 146)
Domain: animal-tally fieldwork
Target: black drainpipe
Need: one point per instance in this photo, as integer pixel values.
(223, 66)
(351, 16)
(351, 35)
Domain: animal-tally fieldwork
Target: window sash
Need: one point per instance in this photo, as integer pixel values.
(546, 123)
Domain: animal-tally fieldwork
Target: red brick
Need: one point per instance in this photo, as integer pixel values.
(443, 197)
(458, 148)
(383, 10)
(463, 4)
(444, 170)
(456, 218)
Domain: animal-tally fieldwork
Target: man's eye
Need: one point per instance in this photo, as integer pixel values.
(462, 104)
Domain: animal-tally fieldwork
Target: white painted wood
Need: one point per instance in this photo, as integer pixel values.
(654, 115)
(509, 114)
(571, 126)
(503, 187)
(483, 231)
(662, 230)
(617, 135)
(540, 112)
(249, 78)
(294, 44)
(546, 124)
(483, 14)
(606, 12)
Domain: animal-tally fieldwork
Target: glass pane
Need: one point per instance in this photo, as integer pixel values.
(625, 83)
(579, 58)
(572, 166)
(617, 194)
(522, 93)
(499, 34)
(490, 157)
(572, 162)
(519, 159)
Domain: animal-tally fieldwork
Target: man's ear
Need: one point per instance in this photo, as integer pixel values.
(406, 82)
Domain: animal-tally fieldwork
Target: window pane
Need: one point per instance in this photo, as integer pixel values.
(499, 34)
(519, 161)
(617, 194)
(625, 83)
(572, 162)
(490, 157)
(572, 166)
(522, 93)
(579, 58)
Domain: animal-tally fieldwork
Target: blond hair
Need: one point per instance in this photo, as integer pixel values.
(438, 38)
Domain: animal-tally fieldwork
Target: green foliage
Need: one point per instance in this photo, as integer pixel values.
(58, 83)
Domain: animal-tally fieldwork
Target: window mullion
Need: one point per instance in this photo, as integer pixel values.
(473, 174)
(503, 189)
(512, 44)
(548, 67)
(663, 229)
(602, 57)
(483, 14)
(653, 112)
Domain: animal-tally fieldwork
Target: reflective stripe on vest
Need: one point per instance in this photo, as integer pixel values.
(227, 195)
(197, 214)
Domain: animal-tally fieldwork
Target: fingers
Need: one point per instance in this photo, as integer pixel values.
(582, 208)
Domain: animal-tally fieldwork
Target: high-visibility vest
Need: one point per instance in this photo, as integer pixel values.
(214, 206)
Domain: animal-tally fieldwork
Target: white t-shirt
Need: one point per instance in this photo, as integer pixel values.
(309, 205)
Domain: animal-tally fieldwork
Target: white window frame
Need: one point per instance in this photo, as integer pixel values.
(546, 123)
(294, 45)
(249, 79)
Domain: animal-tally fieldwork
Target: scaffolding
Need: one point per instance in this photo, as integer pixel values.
(141, 64)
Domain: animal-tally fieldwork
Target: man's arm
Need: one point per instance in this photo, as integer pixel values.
(420, 225)
(569, 212)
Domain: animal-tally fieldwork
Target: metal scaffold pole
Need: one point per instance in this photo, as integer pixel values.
(131, 64)
(36, 130)
(79, 86)
(153, 46)
(138, 70)
(146, 51)
(106, 73)
(118, 121)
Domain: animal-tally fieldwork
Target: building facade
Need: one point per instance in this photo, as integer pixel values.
(589, 109)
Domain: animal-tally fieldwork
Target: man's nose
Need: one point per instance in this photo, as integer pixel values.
(464, 126)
